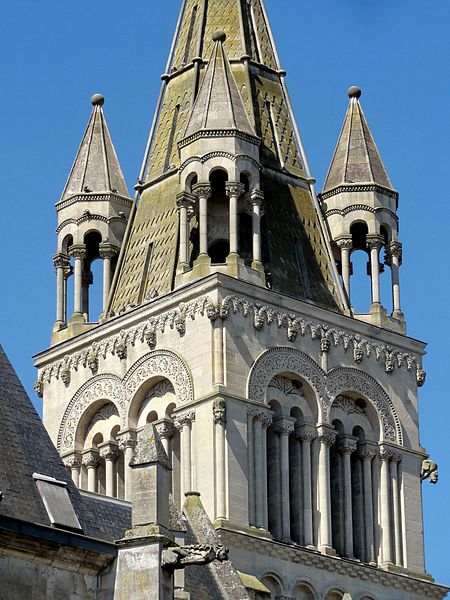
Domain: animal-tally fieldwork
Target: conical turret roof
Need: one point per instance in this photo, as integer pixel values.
(219, 104)
(96, 167)
(356, 159)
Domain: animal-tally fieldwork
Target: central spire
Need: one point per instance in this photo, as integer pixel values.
(224, 122)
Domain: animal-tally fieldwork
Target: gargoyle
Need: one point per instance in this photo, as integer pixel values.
(429, 471)
(179, 557)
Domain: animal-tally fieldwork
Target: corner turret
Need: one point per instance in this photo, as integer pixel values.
(360, 207)
(92, 216)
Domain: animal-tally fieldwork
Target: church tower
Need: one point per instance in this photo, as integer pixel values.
(228, 327)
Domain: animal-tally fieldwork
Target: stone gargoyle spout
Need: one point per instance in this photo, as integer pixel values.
(429, 471)
(179, 557)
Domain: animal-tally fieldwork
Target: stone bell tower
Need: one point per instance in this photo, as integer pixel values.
(229, 329)
(92, 216)
(360, 206)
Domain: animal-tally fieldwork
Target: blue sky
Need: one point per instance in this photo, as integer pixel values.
(55, 54)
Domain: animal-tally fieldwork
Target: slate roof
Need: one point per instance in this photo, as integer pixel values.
(26, 448)
(96, 166)
(219, 104)
(356, 159)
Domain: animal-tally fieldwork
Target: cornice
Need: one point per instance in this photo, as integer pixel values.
(93, 197)
(261, 315)
(90, 217)
(294, 554)
(363, 187)
(219, 133)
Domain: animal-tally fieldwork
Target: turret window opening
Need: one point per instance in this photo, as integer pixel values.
(218, 218)
(92, 300)
(360, 268)
(385, 287)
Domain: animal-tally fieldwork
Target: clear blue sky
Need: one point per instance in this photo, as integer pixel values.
(56, 53)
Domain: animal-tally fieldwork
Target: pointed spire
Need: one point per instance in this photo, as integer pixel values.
(96, 167)
(219, 104)
(356, 159)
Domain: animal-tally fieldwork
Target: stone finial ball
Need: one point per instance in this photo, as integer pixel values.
(219, 36)
(354, 92)
(97, 100)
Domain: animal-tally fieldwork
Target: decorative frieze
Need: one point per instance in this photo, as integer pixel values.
(262, 315)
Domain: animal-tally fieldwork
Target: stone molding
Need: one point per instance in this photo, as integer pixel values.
(370, 187)
(121, 392)
(90, 217)
(327, 386)
(262, 315)
(219, 133)
(94, 197)
(220, 154)
(340, 566)
(146, 332)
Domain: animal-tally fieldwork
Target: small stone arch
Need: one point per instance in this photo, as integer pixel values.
(164, 364)
(274, 582)
(106, 387)
(347, 379)
(274, 361)
(307, 587)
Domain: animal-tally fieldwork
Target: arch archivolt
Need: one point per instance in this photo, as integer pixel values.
(347, 379)
(327, 386)
(158, 364)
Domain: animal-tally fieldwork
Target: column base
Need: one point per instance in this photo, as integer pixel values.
(258, 266)
(327, 550)
(58, 326)
(398, 314)
(182, 268)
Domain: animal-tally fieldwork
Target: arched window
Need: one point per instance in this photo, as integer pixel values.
(361, 296)
(273, 584)
(302, 591)
(218, 218)
(92, 297)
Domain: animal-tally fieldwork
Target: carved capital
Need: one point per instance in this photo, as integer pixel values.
(127, 439)
(107, 250)
(202, 190)
(344, 242)
(375, 242)
(78, 251)
(385, 452)
(347, 445)
(109, 451)
(90, 459)
(284, 425)
(367, 450)
(306, 433)
(326, 435)
(220, 411)
(184, 420)
(185, 200)
(61, 261)
(234, 188)
(165, 428)
(72, 461)
(395, 249)
(420, 377)
(265, 419)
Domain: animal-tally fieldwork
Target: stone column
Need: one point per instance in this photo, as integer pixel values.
(127, 444)
(166, 430)
(61, 261)
(327, 437)
(261, 423)
(220, 420)
(73, 462)
(395, 480)
(284, 426)
(347, 446)
(87, 280)
(107, 252)
(306, 434)
(257, 198)
(78, 252)
(109, 453)
(374, 244)
(367, 451)
(385, 506)
(394, 260)
(183, 423)
(203, 192)
(345, 244)
(251, 413)
(90, 460)
(68, 271)
(184, 202)
(234, 189)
